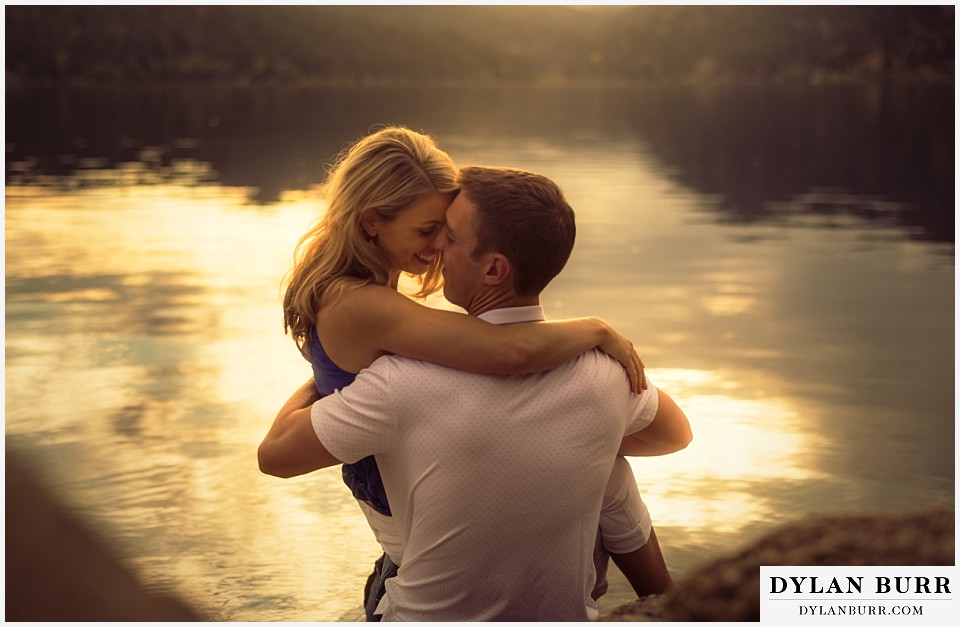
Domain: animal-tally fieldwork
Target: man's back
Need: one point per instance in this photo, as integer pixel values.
(496, 482)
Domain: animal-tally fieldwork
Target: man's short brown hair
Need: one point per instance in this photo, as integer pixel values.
(523, 216)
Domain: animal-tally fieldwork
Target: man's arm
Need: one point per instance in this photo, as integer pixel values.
(291, 447)
(669, 432)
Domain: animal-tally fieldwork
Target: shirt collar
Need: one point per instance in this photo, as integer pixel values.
(512, 315)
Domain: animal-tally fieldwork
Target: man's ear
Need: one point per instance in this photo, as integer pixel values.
(499, 270)
(369, 221)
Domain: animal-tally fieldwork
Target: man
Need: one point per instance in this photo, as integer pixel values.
(496, 481)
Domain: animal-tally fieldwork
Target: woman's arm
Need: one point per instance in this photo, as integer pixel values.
(395, 324)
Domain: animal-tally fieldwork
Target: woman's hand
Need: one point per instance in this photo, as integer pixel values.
(621, 349)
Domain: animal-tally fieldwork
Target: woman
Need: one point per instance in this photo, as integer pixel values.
(386, 196)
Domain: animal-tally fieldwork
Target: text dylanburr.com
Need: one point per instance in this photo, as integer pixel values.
(849, 594)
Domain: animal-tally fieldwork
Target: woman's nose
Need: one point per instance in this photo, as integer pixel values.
(440, 238)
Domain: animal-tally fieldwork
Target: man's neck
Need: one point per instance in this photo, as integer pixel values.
(489, 302)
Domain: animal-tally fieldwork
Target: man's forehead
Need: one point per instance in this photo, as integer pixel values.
(459, 212)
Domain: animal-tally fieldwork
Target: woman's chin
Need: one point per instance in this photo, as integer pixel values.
(418, 267)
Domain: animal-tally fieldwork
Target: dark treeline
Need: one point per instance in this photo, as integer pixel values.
(417, 44)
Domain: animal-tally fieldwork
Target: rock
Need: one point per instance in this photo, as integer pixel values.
(728, 589)
(58, 570)
(645, 609)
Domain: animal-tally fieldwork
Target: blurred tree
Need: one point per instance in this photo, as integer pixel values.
(415, 44)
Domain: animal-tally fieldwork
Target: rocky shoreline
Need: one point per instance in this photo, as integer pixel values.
(728, 588)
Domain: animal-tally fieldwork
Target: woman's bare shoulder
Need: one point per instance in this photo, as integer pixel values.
(351, 325)
(358, 304)
(355, 295)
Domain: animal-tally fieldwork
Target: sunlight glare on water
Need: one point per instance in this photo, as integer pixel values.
(739, 443)
(160, 308)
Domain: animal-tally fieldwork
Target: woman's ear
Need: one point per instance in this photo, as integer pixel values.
(499, 270)
(369, 221)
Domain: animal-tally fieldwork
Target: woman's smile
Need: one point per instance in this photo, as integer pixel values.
(426, 259)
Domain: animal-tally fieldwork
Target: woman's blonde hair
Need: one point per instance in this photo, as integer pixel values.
(385, 171)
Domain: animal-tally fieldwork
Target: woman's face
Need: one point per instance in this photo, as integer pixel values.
(407, 240)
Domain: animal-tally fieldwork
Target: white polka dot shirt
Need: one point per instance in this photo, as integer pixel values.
(496, 482)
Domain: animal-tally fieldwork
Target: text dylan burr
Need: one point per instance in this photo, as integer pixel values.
(855, 585)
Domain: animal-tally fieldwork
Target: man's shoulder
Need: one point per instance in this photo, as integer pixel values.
(598, 360)
(400, 366)
(592, 365)
(598, 371)
(594, 359)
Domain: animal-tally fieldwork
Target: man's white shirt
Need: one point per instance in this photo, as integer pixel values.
(495, 481)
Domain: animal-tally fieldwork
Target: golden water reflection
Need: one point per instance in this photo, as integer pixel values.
(740, 441)
(145, 358)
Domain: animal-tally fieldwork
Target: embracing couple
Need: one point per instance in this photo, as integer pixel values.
(485, 450)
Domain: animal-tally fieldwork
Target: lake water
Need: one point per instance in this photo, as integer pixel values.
(783, 258)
